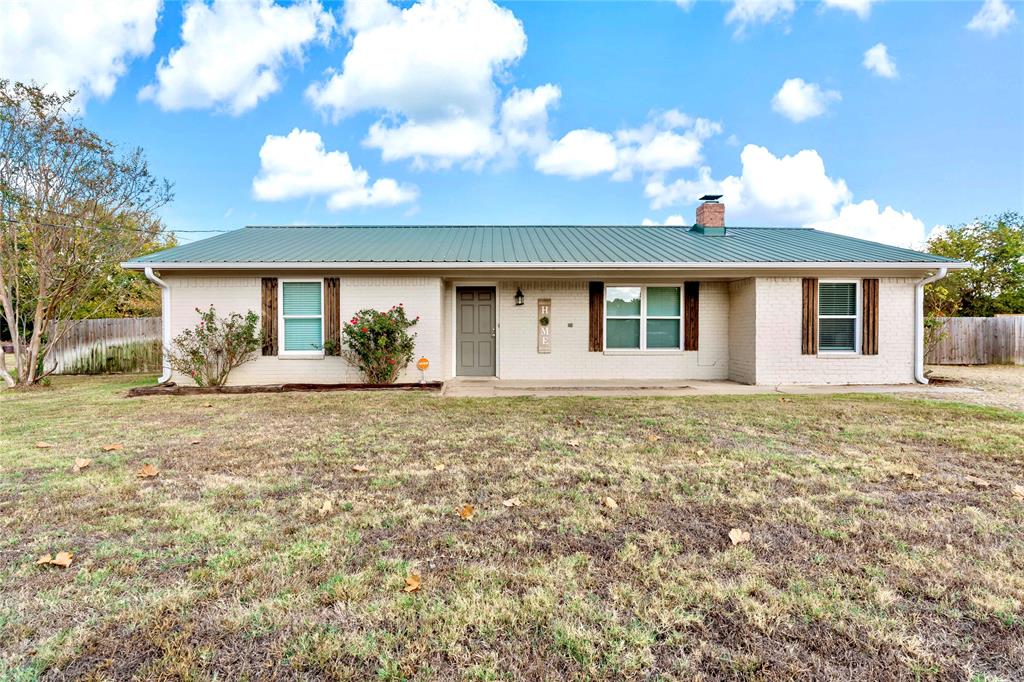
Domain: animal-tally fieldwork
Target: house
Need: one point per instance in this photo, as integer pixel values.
(748, 304)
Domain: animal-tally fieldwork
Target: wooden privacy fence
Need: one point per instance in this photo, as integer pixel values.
(105, 346)
(978, 341)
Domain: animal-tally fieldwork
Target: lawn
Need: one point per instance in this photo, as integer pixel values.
(886, 538)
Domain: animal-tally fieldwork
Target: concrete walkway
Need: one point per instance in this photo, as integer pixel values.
(503, 388)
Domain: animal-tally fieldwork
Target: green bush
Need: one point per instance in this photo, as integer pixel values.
(215, 346)
(379, 344)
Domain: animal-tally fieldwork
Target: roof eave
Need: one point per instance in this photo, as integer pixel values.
(447, 265)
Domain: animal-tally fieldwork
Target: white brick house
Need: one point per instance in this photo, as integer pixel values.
(752, 305)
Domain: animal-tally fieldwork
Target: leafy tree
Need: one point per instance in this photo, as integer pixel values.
(72, 206)
(994, 283)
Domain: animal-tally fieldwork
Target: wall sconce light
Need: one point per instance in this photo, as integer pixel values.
(520, 299)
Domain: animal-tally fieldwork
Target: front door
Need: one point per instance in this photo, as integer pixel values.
(475, 331)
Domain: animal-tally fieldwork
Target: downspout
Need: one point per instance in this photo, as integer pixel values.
(165, 311)
(919, 376)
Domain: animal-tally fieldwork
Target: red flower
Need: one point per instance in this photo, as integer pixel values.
(365, 330)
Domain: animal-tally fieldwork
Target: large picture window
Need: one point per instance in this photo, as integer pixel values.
(837, 316)
(643, 318)
(302, 317)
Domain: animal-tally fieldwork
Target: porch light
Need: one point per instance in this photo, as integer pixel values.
(520, 299)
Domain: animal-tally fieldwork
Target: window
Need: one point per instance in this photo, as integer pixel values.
(643, 318)
(302, 317)
(837, 316)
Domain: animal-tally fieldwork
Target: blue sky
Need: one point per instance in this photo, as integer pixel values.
(463, 111)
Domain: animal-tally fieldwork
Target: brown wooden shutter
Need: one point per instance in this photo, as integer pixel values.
(596, 341)
(809, 335)
(691, 315)
(869, 317)
(332, 314)
(269, 316)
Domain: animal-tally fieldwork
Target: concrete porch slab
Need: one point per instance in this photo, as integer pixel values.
(505, 388)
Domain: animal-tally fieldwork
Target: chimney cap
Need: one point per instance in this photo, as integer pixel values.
(711, 197)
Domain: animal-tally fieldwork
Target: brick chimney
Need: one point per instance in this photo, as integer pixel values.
(710, 215)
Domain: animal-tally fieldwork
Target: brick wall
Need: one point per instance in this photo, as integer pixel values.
(742, 331)
(569, 358)
(230, 293)
(778, 339)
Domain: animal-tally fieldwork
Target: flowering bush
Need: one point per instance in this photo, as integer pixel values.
(216, 346)
(378, 343)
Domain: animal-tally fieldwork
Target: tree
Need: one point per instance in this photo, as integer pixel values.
(72, 206)
(994, 283)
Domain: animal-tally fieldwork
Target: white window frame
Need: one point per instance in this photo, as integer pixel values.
(281, 318)
(644, 317)
(855, 317)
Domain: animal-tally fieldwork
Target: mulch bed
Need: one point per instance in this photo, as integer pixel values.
(173, 389)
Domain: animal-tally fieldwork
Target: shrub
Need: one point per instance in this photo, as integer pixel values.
(215, 346)
(379, 344)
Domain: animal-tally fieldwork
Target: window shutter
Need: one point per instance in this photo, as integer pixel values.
(596, 341)
(691, 315)
(869, 317)
(269, 317)
(332, 314)
(809, 332)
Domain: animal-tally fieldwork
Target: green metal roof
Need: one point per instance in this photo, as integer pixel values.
(527, 244)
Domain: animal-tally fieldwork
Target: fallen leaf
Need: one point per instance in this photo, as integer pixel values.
(208, 405)
(980, 482)
(412, 582)
(572, 443)
(359, 467)
(611, 503)
(439, 467)
(738, 536)
(512, 502)
(148, 471)
(112, 447)
(327, 508)
(42, 445)
(63, 559)
(1018, 491)
(466, 511)
(653, 438)
(81, 463)
(194, 442)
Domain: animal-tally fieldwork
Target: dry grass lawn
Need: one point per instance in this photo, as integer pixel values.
(886, 541)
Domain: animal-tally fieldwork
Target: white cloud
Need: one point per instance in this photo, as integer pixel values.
(297, 165)
(233, 51)
(866, 221)
(877, 60)
(73, 45)
(668, 141)
(790, 190)
(862, 8)
(430, 67)
(748, 12)
(798, 100)
(671, 220)
(581, 153)
(994, 17)
(524, 117)
(685, 5)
